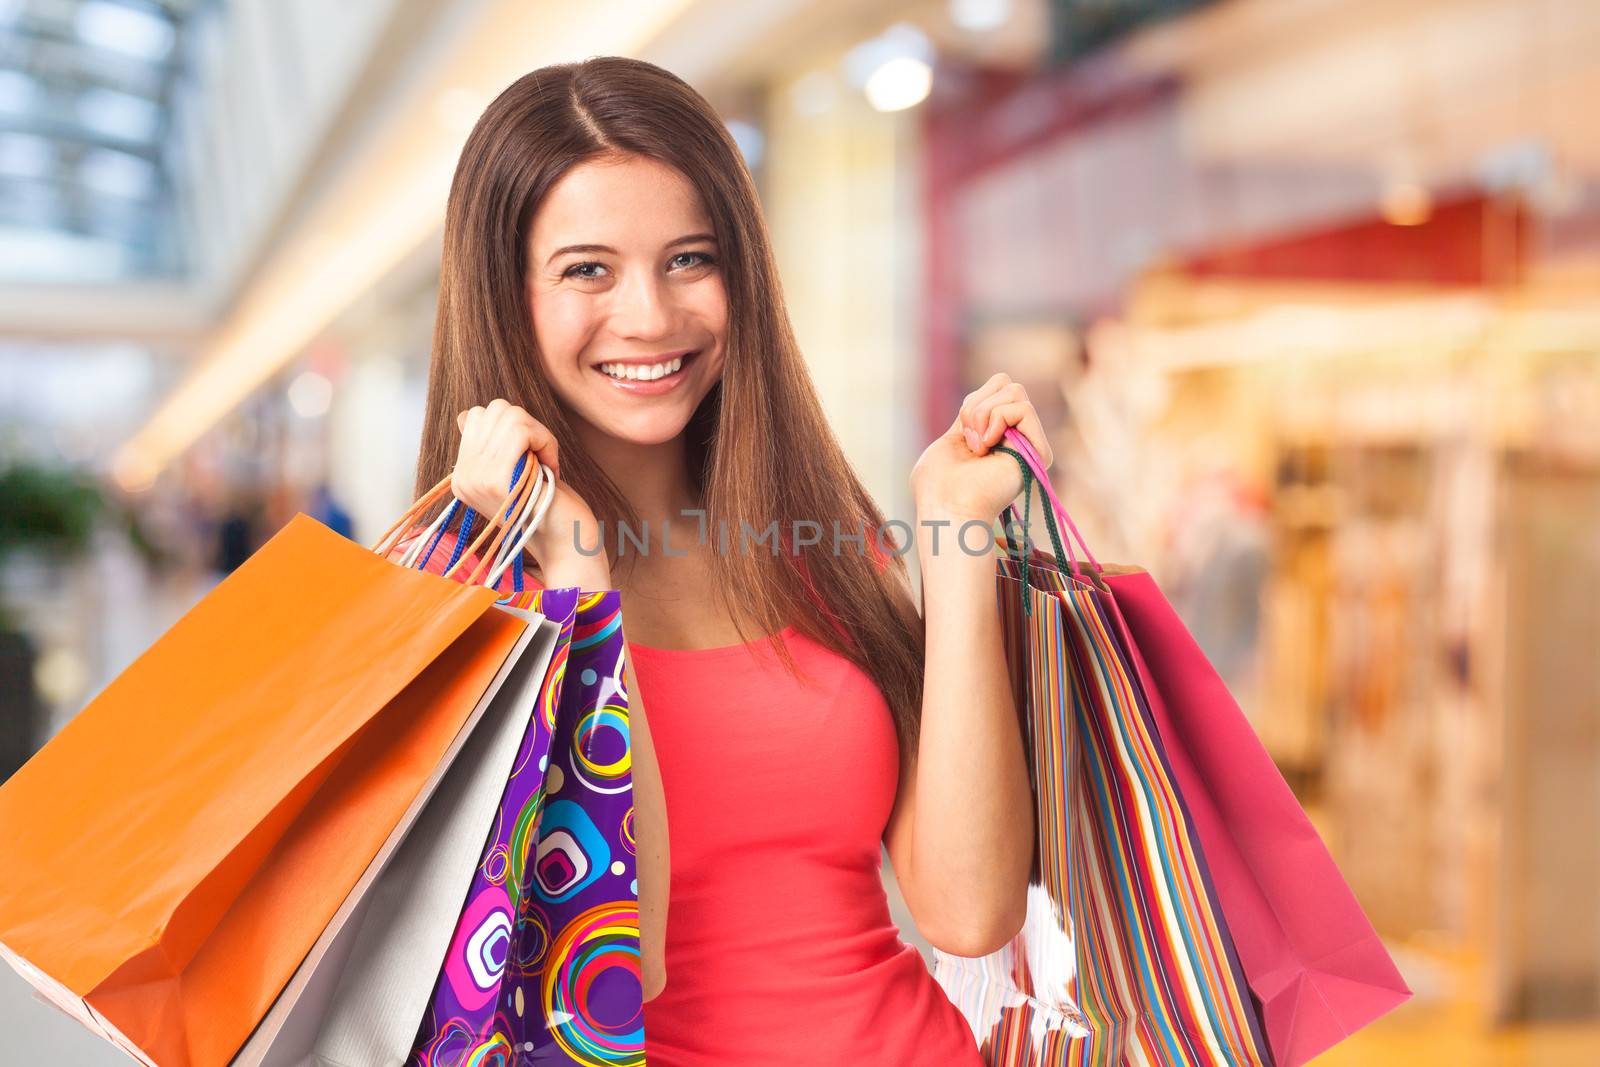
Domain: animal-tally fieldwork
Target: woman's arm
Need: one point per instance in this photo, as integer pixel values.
(962, 848)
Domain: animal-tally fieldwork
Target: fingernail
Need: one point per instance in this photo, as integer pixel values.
(972, 439)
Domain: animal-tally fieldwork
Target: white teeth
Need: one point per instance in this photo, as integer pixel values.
(634, 372)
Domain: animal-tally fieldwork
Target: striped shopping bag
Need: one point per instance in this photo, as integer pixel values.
(1125, 956)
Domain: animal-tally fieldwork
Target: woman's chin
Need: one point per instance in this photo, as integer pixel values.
(641, 428)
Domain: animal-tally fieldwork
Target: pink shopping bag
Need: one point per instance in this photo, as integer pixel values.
(1312, 957)
(1315, 965)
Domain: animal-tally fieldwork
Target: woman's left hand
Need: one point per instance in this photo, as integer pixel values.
(958, 475)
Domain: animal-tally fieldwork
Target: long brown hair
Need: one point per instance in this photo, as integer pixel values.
(760, 447)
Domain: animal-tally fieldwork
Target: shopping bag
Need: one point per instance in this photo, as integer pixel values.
(1316, 969)
(544, 965)
(1313, 958)
(544, 962)
(357, 996)
(1124, 956)
(175, 850)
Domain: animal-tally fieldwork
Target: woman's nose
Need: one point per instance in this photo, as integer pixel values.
(644, 308)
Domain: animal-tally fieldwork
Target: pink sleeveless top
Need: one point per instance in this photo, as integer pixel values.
(780, 946)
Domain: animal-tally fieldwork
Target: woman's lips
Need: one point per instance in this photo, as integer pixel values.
(656, 386)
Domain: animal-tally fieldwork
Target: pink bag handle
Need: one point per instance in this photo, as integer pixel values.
(1016, 439)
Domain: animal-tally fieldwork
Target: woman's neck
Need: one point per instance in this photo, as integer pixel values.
(654, 478)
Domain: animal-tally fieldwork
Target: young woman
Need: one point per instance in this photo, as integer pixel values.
(609, 303)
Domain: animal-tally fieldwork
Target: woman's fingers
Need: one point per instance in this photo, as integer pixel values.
(1006, 405)
(493, 437)
(540, 441)
(1011, 392)
(468, 479)
(965, 424)
(1021, 414)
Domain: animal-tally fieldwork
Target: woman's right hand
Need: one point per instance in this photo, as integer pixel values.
(493, 438)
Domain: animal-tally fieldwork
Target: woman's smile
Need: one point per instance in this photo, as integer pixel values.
(650, 377)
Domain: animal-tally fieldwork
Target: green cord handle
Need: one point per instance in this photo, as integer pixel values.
(1021, 553)
(1029, 484)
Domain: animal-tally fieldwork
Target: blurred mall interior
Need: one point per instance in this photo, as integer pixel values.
(1307, 292)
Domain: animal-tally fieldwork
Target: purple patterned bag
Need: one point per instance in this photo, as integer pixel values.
(544, 964)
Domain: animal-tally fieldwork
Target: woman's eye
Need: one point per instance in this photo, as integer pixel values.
(702, 256)
(578, 270)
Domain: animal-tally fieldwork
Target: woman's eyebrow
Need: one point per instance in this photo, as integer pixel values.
(689, 239)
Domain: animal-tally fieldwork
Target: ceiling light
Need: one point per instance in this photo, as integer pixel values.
(899, 83)
(893, 69)
(978, 16)
(311, 395)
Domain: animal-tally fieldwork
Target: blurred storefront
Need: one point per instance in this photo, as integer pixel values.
(1315, 313)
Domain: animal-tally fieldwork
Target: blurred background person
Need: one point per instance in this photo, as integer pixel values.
(1307, 293)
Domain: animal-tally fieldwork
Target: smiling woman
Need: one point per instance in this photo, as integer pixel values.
(595, 304)
(602, 215)
(609, 302)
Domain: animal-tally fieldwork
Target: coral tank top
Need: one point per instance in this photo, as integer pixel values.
(780, 946)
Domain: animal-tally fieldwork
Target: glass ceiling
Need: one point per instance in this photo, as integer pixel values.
(85, 94)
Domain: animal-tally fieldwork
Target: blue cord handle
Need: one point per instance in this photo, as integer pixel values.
(450, 511)
(466, 529)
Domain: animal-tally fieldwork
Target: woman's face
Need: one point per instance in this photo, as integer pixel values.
(624, 276)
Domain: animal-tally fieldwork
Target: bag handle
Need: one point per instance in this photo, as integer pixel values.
(521, 486)
(539, 499)
(1032, 473)
(384, 545)
(1025, 446)
(1022, 555)
(514, 502)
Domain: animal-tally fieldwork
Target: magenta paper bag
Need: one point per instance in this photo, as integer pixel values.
(1312, 957)
(1317, 969)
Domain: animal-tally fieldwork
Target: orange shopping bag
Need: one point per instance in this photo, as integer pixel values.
(175, 850)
